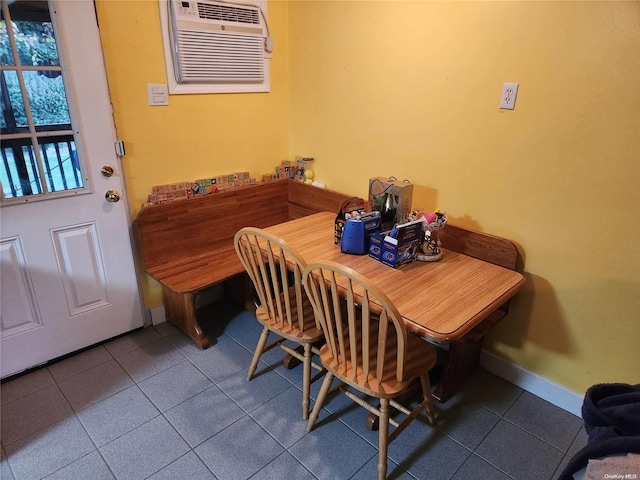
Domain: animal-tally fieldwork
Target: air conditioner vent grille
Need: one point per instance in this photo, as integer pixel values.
(225, 13)
(220, 58)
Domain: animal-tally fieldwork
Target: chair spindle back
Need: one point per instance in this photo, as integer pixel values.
(362, 327)
(276, 272)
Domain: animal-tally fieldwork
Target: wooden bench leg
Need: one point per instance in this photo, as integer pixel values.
(180, 310)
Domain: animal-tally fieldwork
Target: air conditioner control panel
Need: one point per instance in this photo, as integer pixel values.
(189, 9)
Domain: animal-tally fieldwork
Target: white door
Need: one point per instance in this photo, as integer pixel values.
(67, 275)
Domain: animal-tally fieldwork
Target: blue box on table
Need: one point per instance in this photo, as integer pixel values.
(356, 233)
(398, 246)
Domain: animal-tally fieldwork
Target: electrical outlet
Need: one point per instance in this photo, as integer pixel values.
(508, 97)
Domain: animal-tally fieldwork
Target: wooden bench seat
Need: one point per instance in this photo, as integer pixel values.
(187, 245)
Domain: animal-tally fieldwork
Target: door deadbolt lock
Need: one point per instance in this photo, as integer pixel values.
(112, 196)
(107, 171)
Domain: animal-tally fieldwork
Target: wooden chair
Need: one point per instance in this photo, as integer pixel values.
(367, 348)
(283, 307)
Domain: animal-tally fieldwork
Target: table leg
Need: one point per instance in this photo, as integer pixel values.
(464, 357)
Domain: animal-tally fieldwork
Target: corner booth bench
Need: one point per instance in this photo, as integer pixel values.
(187, 245)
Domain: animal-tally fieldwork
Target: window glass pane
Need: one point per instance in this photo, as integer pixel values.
(47, 99)
(13, 114)
(62, 170)
(34, 33)
(6, 56)
(33, 164)
(18, 172)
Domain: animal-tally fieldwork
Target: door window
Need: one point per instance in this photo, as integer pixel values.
(39, 155)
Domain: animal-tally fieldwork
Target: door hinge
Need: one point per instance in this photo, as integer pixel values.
(120, 148)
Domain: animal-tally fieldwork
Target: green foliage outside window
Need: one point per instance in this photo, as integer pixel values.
(36, 46)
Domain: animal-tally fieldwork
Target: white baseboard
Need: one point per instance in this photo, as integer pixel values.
(533, 383)
(157, 315)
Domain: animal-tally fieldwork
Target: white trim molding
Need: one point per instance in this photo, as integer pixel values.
(533, 383)
(157, 315)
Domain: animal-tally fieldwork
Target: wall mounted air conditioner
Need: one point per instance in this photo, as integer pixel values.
(215, 46)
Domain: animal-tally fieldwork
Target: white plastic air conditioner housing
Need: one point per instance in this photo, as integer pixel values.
(214, 47)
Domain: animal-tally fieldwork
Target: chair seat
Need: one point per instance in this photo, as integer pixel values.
(293, 332)
(421, 357)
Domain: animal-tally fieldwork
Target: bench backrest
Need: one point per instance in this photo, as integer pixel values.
(185, 228)
(181, 229)
(305, 200)
(482, 246)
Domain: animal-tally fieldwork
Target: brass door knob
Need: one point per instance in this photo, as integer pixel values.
(112, 196)
(107, 170)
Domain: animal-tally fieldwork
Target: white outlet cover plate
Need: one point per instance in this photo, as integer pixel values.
(508, 97)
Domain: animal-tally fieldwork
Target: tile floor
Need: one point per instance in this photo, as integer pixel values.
(152, 405)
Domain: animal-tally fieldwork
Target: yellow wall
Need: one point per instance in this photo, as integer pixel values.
(196, 135)
(412, 89)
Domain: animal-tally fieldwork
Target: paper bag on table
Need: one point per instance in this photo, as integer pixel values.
(392, 198)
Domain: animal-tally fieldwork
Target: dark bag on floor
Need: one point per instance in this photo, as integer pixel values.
(611, 413)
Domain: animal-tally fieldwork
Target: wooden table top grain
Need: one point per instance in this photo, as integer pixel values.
(439, 300)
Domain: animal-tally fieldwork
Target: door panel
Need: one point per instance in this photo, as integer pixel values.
(67, 275)
(19, 307)
(80, 267)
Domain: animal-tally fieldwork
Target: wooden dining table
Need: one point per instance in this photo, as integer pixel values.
(440, 301)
